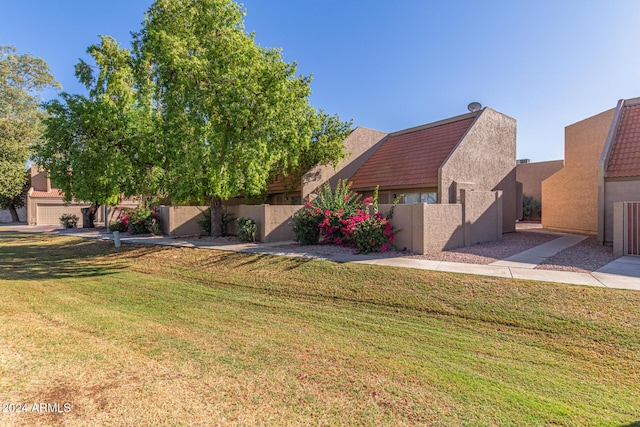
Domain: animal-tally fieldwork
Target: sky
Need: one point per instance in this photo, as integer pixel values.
(391, 65)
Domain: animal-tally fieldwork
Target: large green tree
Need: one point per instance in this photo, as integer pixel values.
(91, 143)
(230, 114)
(22, 80)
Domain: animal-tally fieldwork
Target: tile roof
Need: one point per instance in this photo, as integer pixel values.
(42, 194)
(625, 153)
(278, 185)
(412, 157)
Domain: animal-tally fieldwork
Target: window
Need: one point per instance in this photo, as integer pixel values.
(411, 198)
(429, 197)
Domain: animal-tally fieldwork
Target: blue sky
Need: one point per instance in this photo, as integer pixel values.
(389, 65)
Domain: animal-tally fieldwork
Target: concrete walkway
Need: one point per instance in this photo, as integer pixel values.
(537, 255)
(623, 273)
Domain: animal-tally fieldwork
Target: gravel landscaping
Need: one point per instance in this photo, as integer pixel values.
(486, 253)
(586, 256)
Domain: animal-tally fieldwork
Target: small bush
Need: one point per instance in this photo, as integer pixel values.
(305, 225)
(531, 208)
(205, 222)
(69, 220)
(246, 229)
(117, 226)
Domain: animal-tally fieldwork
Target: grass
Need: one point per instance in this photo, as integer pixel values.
(150, 335)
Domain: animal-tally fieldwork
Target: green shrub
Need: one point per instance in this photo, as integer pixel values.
(531, 208)
(305, 225)
(205, 222)
(69, 220)
(246, 229)
(117, 226)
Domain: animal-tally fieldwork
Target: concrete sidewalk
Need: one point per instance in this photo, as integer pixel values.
(623, 273)
(537, 255)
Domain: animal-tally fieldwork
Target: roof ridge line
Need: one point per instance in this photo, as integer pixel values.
(437, 123)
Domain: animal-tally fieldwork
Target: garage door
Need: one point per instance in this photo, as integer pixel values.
(50, 214)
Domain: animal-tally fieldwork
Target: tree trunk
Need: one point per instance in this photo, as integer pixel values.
(216, 216)
(14, 213)
(89, 215)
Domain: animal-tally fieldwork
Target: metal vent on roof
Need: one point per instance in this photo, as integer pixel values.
(474, 106)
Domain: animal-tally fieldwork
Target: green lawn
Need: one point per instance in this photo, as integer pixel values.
(149, 335)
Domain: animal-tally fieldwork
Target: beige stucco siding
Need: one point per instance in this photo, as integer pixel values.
(531, 176)
(570, 196)
(486, 158)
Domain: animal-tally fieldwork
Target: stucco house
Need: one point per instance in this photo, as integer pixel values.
(434, 162)
(45, 202)
(602, 167)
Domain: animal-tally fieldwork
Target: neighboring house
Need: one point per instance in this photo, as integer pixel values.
(359, 146)
(45, 202)
(433, 162)
(531, 175)
(602, 167)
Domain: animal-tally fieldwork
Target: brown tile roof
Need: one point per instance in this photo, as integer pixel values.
(53, 193)
(625, 153)
(412, 157)
(278, 185)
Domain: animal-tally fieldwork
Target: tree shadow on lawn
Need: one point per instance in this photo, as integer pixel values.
(255, 260)
(38, 257)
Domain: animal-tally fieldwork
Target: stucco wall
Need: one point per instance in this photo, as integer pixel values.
(38, 178)
(272, 222)
(531, 176)
(570, 196)
(485, 157)
(181, 220)
(482, 216)
(617, 191)
(427, 228)
(5, 215)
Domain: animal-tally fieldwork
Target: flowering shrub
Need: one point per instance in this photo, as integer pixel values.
(342, 219)
(373, 234)
(137, 221)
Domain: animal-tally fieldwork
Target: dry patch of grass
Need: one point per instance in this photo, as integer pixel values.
(175, 336)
